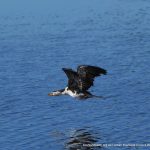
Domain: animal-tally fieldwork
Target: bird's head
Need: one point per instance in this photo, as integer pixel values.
(56, 93)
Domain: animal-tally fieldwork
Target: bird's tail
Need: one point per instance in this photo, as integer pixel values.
(97, 96)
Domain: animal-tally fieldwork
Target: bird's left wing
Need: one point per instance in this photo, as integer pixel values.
(72, 78)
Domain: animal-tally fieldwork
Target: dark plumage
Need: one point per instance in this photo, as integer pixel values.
(81, 80)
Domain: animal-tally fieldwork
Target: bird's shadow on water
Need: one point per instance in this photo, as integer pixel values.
(82, 139)
(78, 139)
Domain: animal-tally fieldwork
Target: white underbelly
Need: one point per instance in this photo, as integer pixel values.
(73, 94)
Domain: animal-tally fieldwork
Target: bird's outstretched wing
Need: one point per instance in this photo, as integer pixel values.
(83, 79)
(87, 71)
(87, 74)
(72, 79)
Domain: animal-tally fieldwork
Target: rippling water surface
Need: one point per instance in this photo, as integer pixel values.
(35, 43)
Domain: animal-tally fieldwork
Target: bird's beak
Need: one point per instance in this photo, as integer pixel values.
(50, 94)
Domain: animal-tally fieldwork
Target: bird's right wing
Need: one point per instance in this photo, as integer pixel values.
(72, 79)
(87, 74)
(87, 71)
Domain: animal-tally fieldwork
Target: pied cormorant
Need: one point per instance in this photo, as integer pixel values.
(80, 81)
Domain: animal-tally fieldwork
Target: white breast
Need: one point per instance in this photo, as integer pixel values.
(72, 94)
(69, 92)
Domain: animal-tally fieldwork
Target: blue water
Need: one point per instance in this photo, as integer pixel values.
(38, 38)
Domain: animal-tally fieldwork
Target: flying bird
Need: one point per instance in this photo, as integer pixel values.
(80, 81)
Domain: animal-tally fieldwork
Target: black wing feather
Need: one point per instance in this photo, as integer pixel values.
(72, 79)
(90, 71)
(87, 74)
(83, 79)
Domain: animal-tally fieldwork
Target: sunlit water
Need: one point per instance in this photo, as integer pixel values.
(33, 49)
